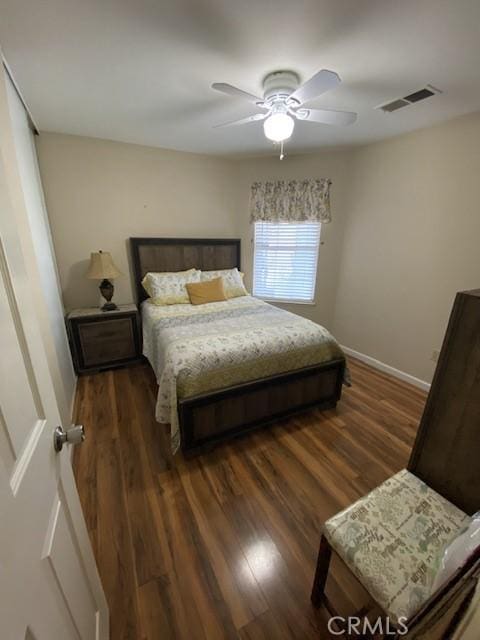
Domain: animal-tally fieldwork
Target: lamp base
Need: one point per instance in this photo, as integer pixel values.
(109, 306)
(106, 289)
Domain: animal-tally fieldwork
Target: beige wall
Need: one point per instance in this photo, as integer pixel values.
(412, 239)
(403, 240)
(99, 193)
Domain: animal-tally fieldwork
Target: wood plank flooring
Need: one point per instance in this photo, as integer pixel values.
(224, 545)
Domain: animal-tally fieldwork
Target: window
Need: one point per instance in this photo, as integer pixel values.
(285, 260)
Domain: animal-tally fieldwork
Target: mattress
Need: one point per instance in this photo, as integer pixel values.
(195, 349)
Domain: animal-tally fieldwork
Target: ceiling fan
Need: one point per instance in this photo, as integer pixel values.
(283, 102)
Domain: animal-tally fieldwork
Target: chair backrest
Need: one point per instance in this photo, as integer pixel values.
(446, 453)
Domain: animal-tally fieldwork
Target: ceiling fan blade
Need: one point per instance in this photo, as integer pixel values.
(327, 116)
(254, 118)
(319, 83)
(230, 90)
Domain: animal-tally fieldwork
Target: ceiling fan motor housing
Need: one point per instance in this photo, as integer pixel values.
(280, 84)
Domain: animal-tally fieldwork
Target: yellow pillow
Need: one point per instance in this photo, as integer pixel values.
(209, 291)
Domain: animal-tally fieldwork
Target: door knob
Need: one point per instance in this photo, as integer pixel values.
(74, 435)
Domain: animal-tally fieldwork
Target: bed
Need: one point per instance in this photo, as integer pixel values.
(225, 368)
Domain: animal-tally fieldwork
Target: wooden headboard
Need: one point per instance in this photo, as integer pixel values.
(178, 254)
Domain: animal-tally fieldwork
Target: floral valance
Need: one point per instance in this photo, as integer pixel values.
(291, 201)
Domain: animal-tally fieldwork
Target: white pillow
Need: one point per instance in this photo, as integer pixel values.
(167, 287)
(232, 281)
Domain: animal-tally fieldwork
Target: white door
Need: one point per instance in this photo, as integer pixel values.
(49, 585)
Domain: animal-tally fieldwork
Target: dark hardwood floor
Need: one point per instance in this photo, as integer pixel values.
(224, 545)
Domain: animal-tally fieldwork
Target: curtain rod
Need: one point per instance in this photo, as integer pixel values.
(19, 94)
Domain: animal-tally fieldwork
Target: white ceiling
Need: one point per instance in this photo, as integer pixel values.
(140, 70)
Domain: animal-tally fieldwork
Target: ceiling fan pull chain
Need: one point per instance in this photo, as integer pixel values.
(282, 155)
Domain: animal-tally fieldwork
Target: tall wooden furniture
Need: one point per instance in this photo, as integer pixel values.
(446, 453)
(391, 538)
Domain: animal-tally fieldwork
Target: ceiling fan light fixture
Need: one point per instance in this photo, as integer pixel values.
(278, 127)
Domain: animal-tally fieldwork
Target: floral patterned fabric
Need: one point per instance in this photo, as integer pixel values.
(290, 201)
(169, 287)
(196, 349)
(393, 541)
(232, 281)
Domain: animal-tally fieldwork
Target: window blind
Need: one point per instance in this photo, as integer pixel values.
(285, 260)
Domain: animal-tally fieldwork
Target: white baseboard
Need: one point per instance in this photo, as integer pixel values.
(386, 368)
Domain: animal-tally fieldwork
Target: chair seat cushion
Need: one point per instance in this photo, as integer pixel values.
(393, 540)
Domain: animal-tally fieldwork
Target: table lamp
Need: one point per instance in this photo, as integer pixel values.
(103, 268)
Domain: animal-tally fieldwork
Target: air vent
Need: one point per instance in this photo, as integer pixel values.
(420, 95)
(393, 106)
(412, 98)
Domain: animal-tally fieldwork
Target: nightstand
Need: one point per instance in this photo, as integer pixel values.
(104, 339)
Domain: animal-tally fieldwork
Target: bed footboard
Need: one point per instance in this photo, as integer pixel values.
(209, 418)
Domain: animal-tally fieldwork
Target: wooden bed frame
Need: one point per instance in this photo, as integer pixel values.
(211, 417)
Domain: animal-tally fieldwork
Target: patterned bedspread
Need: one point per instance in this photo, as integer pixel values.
(197, 349)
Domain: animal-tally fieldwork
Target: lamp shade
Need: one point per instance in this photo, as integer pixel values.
(102, 266)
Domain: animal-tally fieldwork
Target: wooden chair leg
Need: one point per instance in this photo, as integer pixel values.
(321, 572)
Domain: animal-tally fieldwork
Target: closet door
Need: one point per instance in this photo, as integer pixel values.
(49, 585)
